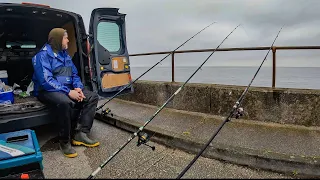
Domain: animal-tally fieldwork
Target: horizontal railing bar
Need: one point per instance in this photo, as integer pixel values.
(231, 49)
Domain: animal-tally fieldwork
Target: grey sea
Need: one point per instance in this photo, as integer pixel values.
(286, 77)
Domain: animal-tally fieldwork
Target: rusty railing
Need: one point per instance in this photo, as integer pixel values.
(274, 50)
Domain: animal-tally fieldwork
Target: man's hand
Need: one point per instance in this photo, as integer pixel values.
(81, 93)
(73, 94)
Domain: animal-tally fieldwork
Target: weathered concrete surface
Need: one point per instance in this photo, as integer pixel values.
(282, 148)
(133, 162)
(285, 106)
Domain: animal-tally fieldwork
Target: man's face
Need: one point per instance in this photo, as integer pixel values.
(65, 41)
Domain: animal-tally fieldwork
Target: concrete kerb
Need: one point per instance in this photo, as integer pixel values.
(253, 158)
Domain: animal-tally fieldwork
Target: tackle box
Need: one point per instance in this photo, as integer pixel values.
(20, 155)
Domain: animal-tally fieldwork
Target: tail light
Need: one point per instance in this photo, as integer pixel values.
(129, 75)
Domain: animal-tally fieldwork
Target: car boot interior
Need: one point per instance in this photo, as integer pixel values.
(23, 32)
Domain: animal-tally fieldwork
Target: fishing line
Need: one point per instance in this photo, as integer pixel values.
(147, 160)
(143, 136)
(156, 162)
(150, 69)
(245, 31)
(236, 111)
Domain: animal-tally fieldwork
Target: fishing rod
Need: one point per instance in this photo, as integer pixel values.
(143, 137)
(236, 111)
(108, 110)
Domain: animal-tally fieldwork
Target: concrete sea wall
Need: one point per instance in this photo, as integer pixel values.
(280, 105)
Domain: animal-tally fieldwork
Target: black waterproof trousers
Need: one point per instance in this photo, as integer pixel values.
(65, 110)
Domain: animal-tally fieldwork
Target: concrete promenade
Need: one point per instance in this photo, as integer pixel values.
(133, 162)
(289, 149)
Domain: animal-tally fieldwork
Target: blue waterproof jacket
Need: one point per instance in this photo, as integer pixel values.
(54, 72)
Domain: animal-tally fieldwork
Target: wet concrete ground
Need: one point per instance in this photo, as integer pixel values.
(133, 161)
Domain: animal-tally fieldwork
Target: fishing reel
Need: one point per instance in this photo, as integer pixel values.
(238, 113)
(143, 138)
(106, 112)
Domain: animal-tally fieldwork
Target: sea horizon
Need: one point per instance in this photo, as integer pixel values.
(286, 77)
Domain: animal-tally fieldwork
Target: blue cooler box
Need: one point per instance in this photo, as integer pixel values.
(20, 154)
(6, 96)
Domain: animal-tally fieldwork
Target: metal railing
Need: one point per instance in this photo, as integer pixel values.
(274, 50)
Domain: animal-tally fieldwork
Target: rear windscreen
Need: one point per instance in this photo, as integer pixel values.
(21, 44)
(108, 35)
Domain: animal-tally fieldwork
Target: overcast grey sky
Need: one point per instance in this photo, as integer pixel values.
(162, 25)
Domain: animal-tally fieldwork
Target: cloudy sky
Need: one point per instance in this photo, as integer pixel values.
(162, 25)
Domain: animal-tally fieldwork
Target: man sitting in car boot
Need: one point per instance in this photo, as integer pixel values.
(57, 84)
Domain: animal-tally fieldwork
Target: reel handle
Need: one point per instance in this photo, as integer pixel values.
(152, 147)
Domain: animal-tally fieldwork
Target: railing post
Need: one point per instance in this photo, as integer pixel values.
(172, 67)
(274, 50)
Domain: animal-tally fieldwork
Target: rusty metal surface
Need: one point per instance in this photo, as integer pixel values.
(172, 69)
(274, 51)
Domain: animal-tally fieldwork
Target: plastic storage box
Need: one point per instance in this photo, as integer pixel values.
(6, 97)
(20, 155)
